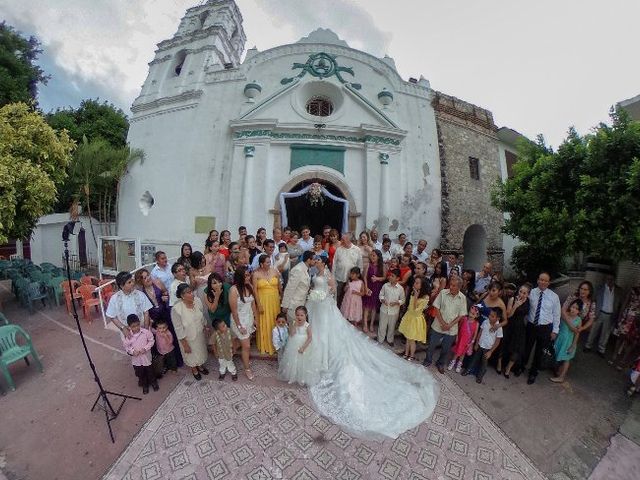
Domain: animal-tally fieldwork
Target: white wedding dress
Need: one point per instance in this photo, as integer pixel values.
(363, 387)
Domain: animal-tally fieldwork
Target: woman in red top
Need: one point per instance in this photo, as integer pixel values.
(405, 270)
(334, 243)
(225, 237)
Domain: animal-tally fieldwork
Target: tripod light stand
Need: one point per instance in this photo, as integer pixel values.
(102, 401)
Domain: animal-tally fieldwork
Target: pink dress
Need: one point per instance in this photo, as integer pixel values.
(352, 303)
(466, 330)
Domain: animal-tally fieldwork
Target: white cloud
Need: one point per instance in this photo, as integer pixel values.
(538, 66)
(107, 43)
(352, 22)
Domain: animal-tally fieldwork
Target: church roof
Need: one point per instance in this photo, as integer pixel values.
(323, 35)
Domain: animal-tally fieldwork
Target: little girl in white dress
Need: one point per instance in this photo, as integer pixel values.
(299, 363)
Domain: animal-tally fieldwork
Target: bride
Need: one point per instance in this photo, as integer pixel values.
(363, 387)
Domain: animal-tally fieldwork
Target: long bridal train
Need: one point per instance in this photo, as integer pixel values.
(363, 387)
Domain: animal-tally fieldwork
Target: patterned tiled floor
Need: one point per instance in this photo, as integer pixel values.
(266, 429)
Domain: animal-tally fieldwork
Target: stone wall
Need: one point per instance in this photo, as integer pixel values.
(465, 130)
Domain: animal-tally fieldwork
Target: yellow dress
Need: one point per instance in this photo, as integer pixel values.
(269, 300)
(413, 325)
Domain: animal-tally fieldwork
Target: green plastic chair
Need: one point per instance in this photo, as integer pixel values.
(21, 286)
(55, 290)
(36, 291)
(11, 351)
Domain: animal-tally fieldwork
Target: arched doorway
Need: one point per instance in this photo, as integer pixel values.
(475, 247)
(301, 212)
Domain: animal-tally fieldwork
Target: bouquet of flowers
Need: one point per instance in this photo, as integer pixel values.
(315, 194)
(317, 295)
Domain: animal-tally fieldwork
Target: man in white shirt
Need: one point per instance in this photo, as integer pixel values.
(452, 264)
(387, 254)
(126, 301)
(420, 251)
(391, 298)
(306, 241)
(269, 249)
(161, 272)
(347, 256)
(543, 322)
(483, 278)
(608, 300)
(451, 306)
(377, 244)
(397, 248)
(295, 293)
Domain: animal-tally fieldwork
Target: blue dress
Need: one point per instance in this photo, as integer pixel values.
(565, 340)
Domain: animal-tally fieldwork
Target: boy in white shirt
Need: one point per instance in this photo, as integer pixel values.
(280, 334)
(486, 344)
(391, 297)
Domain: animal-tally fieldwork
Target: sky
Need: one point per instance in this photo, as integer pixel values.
(540, 66)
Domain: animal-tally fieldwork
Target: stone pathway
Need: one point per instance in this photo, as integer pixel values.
(266, 429)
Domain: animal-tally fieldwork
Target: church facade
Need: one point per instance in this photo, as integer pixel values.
(233, 141)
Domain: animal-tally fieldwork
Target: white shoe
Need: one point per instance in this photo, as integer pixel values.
(459, 367)
(451, 365)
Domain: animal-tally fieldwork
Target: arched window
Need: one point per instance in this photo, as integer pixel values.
(179, 62)
(319, 107)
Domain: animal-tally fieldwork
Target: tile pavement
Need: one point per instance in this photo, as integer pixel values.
(266, 429)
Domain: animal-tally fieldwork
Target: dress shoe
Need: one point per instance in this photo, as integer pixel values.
(234, 377)
(145, 390)
(222, 375)
(586, 350)
(601, 354)
(531, 380)
(440, 368)
(197, 376)
(203, 370)
(155, 386)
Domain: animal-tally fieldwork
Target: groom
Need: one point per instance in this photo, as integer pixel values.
(295, 293)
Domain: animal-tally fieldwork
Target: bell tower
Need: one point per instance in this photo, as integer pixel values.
(210, 37)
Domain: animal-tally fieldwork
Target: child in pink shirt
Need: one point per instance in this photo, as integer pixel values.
(139, 347)
(164, 345)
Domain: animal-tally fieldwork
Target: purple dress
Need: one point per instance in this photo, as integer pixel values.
(372, 302)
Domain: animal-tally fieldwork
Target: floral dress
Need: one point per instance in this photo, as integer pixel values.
(630, 313)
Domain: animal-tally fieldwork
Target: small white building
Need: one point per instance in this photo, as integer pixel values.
(47, 246)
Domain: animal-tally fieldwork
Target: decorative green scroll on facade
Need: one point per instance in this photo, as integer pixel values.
(322, 65)
(315, 137)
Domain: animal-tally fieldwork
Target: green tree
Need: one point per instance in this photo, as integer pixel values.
(19, 73)
(92, 119)
(94, 177)
(33, 160)
(583, 198)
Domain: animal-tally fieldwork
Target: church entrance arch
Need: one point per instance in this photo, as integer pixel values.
(294, 207)
(475, 247)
